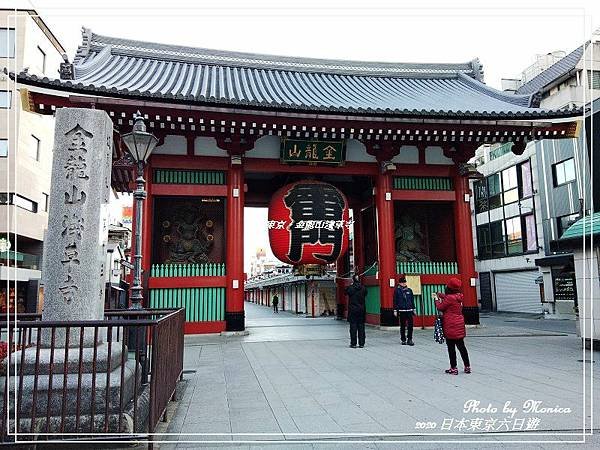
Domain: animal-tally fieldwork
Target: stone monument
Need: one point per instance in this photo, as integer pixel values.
(73, 274)
(75, 246)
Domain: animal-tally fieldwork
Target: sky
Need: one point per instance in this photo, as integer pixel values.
(505, 35)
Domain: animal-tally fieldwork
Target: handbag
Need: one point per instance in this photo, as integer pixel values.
(438, 330)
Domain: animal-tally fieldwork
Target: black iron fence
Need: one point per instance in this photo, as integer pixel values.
(89, 379)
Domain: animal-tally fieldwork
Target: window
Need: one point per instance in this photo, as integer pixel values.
(45, 201)
(593, 79)
(530, 235)
(18, 200)
(565, 222)
(3, 148)
(42, 59)
(7, 43)
(563, 172)
(526, 184)
(497, 236)
(490, 240)
(5, 99)
(510, 185)
(503, 188)
(514, 237)
(35, 148)
(494, 191)
(484, 242)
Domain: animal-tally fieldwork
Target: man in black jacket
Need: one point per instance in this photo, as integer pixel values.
(356, 311)
(404, 308)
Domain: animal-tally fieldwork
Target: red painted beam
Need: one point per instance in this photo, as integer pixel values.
(372, 319)
(262, 165)
(437, 278)
(422, 195)
(186, 282)
(370, 280)
(204, 327)
(427, 321)
(190, 190)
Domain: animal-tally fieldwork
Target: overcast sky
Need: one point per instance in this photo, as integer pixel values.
(505, 35)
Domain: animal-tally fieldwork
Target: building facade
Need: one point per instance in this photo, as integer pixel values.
(526, 202)
(26, 43)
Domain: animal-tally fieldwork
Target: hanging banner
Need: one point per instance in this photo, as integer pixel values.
(312, 152)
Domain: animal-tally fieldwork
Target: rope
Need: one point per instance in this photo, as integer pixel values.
(345, 277)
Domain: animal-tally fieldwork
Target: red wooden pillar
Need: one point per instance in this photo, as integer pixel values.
(464, 249)
(386, 248)
(234, 299)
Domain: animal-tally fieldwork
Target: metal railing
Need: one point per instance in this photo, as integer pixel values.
(110, 378)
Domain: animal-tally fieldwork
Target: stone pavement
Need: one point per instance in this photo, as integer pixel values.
(294, 378)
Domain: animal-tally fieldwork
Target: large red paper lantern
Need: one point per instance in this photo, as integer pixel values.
(309, 223)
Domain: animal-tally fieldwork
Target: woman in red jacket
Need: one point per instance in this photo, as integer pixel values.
(453, 323)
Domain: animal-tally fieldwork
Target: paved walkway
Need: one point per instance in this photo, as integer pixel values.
(293, 375)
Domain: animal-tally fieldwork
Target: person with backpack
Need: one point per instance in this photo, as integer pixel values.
(453, 323)
(404, 308)
(356, 311)
(275, 304)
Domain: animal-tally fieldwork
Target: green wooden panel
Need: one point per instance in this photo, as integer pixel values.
(187, 270)
(372, 301)
(176, 176)
(425, 301)
(423, 183)
(201, 304)
(427, 267)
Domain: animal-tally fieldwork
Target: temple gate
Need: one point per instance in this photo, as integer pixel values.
(394, 138)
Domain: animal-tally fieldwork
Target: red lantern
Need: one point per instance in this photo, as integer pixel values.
(309, 223)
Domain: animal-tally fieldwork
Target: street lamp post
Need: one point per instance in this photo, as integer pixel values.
(139, 144)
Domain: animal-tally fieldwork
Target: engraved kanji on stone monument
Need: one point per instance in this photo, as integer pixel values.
(74, 249)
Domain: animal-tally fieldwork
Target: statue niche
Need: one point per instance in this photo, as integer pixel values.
(410, 240)
(189, 238)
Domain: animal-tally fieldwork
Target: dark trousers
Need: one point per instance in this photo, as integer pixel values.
(357, 326)
(406, 321)
(460, 343)
(275, 307)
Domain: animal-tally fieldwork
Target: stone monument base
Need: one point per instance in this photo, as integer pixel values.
(78, 391)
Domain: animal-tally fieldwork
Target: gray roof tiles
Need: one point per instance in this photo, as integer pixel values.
(552, 73)
(147, 70)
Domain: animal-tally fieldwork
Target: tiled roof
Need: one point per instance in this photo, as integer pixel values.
(126, 68)
(555, 71)
(589, 225)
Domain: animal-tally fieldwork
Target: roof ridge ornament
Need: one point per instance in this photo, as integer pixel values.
(477, 69)
(66, 69)
(84, 49)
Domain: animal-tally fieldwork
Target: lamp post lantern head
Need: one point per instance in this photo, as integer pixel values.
(139, 142)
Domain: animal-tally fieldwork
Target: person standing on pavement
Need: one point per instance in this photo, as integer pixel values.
(453, 323)
(356, 311)
(404, 309)
(275, 304)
